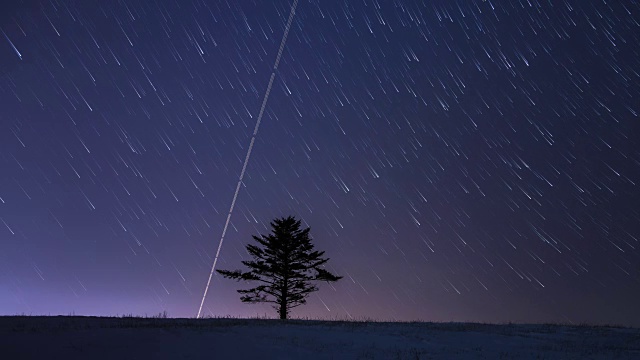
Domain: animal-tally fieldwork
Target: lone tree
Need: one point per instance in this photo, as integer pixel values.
(285, 265)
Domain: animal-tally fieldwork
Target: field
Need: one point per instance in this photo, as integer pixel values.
(76, 337)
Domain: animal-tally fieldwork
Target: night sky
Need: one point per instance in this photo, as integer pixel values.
(458, 160)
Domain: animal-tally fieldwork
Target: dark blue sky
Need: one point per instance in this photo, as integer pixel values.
(457, 160)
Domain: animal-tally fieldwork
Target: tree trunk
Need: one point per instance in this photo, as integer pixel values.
(285, 290)
(283, 311)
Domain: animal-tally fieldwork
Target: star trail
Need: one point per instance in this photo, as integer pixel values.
(458, 160)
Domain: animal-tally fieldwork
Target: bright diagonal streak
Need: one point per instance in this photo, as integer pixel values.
(246, 159)
(18, 52)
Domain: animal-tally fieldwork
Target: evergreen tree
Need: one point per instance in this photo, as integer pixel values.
(285, 265)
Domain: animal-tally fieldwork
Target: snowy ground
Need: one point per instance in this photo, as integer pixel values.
(63, 337)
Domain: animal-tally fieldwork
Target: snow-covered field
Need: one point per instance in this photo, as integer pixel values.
(67, 337)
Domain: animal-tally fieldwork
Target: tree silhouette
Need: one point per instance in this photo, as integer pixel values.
(285, 265)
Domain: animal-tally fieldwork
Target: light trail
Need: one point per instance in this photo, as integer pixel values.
(246, 159)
